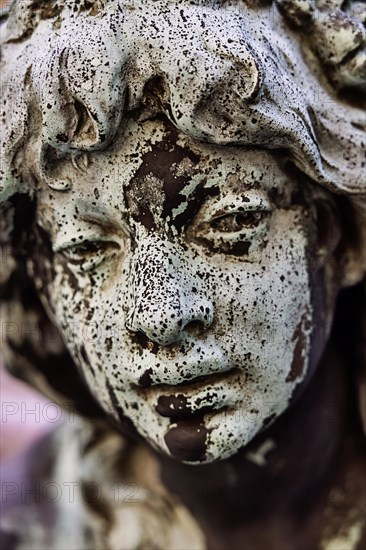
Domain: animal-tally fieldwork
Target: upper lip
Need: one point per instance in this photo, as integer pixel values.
(192, 362)
(197, 382)
(171, 375)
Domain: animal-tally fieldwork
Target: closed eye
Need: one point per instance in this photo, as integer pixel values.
(89, 255)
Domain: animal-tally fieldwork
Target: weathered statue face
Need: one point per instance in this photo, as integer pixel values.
(182, 194)
(182, 286)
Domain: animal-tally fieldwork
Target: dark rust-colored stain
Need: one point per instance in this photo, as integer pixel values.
(72, 279)
(160, 164)
(145, 379)
(298, 361)
(156, 95)
(187, 441)
(176, 407)
(238, 249)
(144, 342)
(302, 18)
(108, 343)
(173, 406)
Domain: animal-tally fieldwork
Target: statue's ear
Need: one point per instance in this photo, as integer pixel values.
(341, 240)
(328, 231)
(354, 269)
(350, 263)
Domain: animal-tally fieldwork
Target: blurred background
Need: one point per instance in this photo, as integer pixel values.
(4, 3)
(25, 414)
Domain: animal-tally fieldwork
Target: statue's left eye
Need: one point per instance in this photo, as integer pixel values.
(232, 231)
(237, 221)
(89, 254)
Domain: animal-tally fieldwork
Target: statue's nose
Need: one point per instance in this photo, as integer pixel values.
(166, 302)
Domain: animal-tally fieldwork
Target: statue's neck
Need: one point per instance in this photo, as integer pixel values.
(302, 448)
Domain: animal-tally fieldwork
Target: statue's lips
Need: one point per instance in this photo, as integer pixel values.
(189, 406)
(177, 407)
(192, 383)
(197, 396)
(200, 362)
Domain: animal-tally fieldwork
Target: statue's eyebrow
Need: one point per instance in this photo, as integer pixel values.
(107, 219)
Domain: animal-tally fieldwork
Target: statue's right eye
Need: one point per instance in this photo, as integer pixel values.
(89, 255)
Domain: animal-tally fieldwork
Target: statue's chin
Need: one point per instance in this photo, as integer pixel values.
(195, 441)
(200, 437)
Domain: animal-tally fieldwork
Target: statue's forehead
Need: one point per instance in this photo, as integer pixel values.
(152, 171)
(152, 150)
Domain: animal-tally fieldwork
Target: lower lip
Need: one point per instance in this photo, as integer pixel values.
(177, 406)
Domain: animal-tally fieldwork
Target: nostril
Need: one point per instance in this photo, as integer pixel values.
(141, 339)
(194, 327)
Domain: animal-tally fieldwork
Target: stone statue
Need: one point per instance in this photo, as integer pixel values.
(183, 213)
